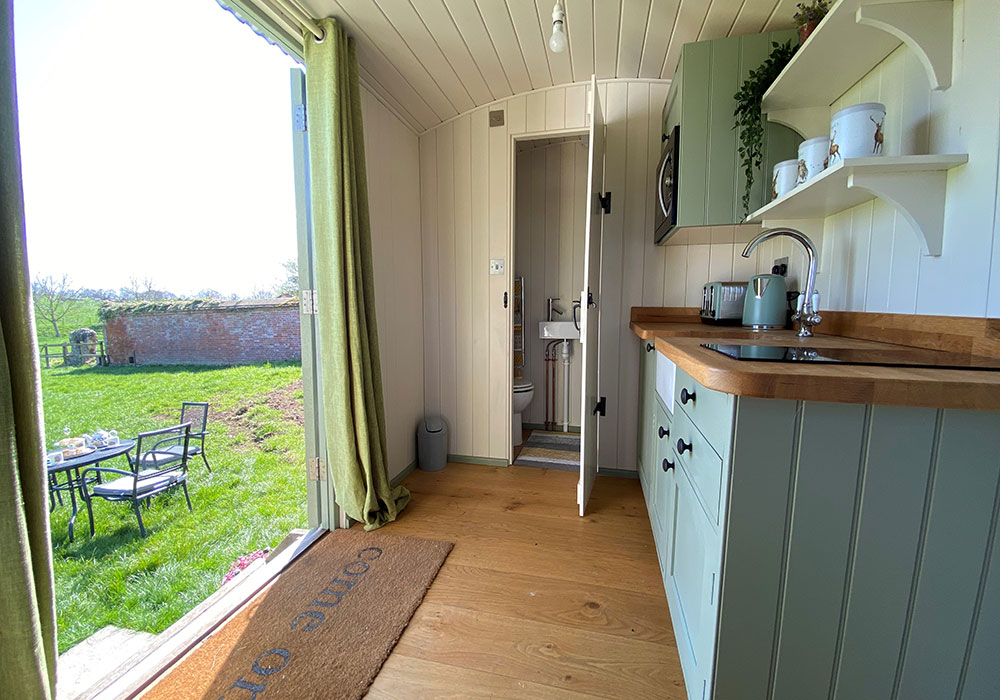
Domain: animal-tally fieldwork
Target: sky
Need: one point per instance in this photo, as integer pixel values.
(156, 142)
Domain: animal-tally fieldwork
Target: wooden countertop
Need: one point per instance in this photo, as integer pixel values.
(901, 386)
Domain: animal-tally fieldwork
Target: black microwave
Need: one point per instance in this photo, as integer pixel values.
(666, 185)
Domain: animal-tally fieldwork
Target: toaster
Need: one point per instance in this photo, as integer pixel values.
(722, 302)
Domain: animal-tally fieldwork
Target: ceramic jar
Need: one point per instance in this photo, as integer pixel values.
(856, 132)
(783, 180)
(813, 155)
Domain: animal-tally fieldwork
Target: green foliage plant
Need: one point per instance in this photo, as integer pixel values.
(807, 13)
(749, 120)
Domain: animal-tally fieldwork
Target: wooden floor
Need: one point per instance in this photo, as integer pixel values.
(534, 601)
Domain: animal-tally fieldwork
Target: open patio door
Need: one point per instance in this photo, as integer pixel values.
(322, 509)
(597, 205)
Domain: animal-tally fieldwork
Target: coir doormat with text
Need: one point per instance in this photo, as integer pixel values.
(322, 630)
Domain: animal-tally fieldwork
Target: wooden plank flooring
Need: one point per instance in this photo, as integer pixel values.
(534, 601)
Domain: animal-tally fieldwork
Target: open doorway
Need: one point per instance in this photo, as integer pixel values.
(550, 176)
(539, 197)
(194, 255)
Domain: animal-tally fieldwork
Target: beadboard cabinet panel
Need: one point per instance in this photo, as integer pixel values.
(857, 554)
(960, 514)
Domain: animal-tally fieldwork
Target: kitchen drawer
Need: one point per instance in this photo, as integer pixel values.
(711, 411)
(700, 461)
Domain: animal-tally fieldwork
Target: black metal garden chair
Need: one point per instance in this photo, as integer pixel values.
(155, 470)
(195, 413)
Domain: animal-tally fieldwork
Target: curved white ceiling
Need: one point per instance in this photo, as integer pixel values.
(434, 59)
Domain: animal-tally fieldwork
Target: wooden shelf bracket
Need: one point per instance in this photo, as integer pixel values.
(925, 27)
(919, 197)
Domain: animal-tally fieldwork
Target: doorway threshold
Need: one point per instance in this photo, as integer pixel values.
(165, 649)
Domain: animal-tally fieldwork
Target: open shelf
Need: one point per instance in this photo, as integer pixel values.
(853, 38)
(915, 185)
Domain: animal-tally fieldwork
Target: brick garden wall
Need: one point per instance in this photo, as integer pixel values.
(241, 333)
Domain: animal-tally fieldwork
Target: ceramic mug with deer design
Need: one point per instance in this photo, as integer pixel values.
(812, 158)
(857, 132)
(784, 177)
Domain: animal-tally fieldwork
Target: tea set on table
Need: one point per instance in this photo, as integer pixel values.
(71, 447)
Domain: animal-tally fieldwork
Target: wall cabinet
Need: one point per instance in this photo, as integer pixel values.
(710, 177)
(813, 549)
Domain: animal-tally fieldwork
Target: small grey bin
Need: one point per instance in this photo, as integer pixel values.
(432, 444)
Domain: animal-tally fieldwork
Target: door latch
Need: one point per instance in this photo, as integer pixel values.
(601, 406)
(605, 200)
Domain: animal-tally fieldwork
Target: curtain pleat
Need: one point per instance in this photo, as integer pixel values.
(27, 594)
(345, 283)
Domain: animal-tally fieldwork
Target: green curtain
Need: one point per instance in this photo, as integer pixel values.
(27, 594)
(345, 283)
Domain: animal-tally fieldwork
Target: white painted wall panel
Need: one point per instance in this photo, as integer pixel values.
(633, 113)
(393, 167)
(869, 258)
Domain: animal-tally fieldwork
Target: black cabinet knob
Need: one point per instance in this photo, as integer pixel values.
(667, 465)
(649, 347)
(664, 432)
(686, 396)
(682, 446)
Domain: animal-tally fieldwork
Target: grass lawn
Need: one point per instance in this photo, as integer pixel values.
(255, 494)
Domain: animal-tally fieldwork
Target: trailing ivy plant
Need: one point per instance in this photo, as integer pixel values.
(749, 122)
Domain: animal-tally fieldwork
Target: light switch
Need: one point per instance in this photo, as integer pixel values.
(496, 266)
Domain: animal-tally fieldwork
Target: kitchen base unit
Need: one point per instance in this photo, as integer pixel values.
(823, 550)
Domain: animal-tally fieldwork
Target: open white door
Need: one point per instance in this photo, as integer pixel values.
(590, 301)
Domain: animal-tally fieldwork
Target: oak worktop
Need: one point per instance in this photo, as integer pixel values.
(681, 341)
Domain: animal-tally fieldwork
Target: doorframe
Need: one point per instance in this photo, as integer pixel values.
(514, 139)
(323, 511)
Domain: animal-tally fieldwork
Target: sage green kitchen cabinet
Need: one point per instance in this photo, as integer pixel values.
(647, 415)
(710, 176)
(831, 550)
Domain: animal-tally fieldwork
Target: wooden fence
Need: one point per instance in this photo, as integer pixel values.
(62, 352)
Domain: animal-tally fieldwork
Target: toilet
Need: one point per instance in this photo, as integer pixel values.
(523, 392)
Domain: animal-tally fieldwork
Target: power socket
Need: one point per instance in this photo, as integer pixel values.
(780, 267)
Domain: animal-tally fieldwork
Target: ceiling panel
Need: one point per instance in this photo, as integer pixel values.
(534, 47)
(430, 60)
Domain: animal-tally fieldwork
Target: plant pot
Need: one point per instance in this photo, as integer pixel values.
(806, 29)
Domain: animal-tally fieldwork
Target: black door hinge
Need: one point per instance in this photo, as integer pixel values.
(601, 406)
(605, 200)
(505, 300)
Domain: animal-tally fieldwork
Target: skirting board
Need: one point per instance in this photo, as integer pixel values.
(619, 473)
(484, 461)
(398, 479)
(541, 426)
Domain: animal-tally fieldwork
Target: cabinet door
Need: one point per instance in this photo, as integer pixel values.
(692, 583)
(666, 473)
(647, 406)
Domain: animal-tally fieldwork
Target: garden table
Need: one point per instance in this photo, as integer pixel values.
(71, 467)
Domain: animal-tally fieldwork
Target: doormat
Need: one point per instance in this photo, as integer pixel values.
(550, 450)
(323, 629)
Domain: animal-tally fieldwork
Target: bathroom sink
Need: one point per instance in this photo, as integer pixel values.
(557, 330)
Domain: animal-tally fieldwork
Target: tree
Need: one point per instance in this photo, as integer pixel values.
(290, 285)
(53, 299)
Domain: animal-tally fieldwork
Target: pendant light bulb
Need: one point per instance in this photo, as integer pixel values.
(558, 41)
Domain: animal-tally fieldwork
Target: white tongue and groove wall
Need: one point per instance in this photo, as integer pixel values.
(869, 258)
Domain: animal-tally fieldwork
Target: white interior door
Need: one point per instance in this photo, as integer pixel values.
(590, 302)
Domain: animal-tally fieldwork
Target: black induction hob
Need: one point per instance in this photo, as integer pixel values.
(881, 357)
